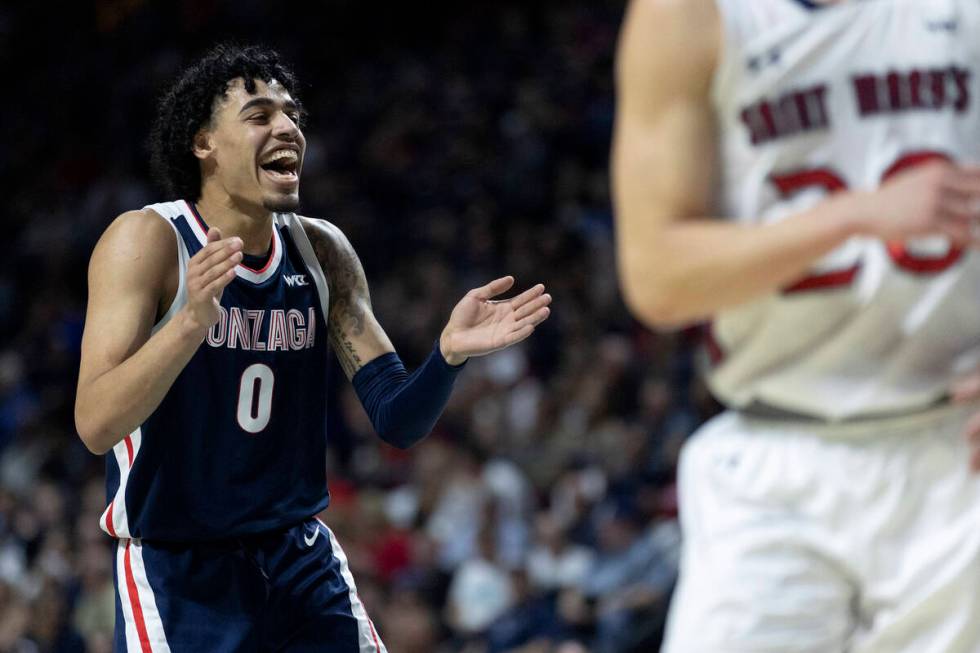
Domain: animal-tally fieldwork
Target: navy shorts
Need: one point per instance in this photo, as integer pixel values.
(288, 590)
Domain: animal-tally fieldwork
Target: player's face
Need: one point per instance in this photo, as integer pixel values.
(257, 146)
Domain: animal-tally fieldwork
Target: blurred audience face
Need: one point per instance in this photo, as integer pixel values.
(411, 624)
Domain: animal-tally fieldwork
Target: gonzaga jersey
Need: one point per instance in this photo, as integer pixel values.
(814, 99)
(238, 444)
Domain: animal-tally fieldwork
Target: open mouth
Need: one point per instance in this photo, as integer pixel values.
(282, 166)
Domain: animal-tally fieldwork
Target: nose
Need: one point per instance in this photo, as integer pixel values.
(284, 128)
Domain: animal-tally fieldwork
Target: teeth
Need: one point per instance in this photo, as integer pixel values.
(289, 155)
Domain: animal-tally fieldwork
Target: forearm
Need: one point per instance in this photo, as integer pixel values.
(687, 270)
(404, 407)
(112, 405)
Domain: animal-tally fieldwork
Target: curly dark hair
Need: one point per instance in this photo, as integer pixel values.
(189, 105)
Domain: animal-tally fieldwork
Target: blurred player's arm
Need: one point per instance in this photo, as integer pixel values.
(404, 407)
(675, 263)
(125, 372)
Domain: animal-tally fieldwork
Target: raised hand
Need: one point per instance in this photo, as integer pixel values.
(208, 272)
(480, 325)
(932, 198)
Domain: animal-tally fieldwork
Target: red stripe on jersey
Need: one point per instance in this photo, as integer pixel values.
(108, 519)
(129, 449)
(135, 603)
(715, 353)
(829, 280)
(197, 216)
(377, 647)
(272, 255)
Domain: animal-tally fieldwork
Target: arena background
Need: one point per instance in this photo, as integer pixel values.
(452, 142)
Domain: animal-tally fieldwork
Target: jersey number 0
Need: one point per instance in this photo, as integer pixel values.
(255, 398)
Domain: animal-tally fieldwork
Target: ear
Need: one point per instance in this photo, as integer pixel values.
(203, 144)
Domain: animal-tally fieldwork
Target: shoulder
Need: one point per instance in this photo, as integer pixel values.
(680, 39)
(681, 15)
(320, 228)
(139, 239)
(329, 242)
(143, 228)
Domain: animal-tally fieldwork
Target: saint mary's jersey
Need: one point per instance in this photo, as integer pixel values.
(238, 444)
(812, 99)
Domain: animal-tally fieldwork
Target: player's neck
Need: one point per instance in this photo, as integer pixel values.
(254, 227)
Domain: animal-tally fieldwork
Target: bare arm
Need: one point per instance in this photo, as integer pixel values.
(675, 265)
(125, 372)
(674, 268)
(355, 334)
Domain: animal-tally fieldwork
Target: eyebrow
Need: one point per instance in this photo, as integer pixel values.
(288, 105)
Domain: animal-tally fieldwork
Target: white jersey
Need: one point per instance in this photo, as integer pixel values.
(813, 99)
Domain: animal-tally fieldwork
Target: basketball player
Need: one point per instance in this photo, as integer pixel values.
(203, 376)
(831, 508)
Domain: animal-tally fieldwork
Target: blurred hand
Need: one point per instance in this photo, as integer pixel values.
(967, 390)
(929, 199)
(480, 325)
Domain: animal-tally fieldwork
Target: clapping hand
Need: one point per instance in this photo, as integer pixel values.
(479, 324)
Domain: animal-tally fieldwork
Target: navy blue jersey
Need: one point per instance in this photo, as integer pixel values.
(238, 444)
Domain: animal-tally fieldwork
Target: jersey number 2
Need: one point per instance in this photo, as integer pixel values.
(255, 397)
(791, 183)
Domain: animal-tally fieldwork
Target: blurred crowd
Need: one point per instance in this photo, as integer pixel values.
(452, 146)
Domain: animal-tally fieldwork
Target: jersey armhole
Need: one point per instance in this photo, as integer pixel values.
(298, 232)
(724, 74)
(180, 297)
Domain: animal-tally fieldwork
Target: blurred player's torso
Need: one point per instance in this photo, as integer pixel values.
(238, 444)
(813, 100)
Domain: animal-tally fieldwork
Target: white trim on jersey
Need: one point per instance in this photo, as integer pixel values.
(302, 241)
(143, 624)
(195, 226)
(147, 600)
(243, 272)
(132, 637)
(114, 520)
(368, 639)
(170, 212)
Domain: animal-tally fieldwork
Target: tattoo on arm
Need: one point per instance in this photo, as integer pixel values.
(349, 360)
(349, 296)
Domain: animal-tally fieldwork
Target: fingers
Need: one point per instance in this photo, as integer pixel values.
(215, 287)
(493, 288)
(525, 327)
(535, 318)
(526, 296)
(215, 251)
(972, 433)
(963, 180)
(532, 306)
(960, 207)
(959, 204)
(221, 273)
(213, 268)
(975, 460)
(966, 389)
(520, 334)
(959, 232)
